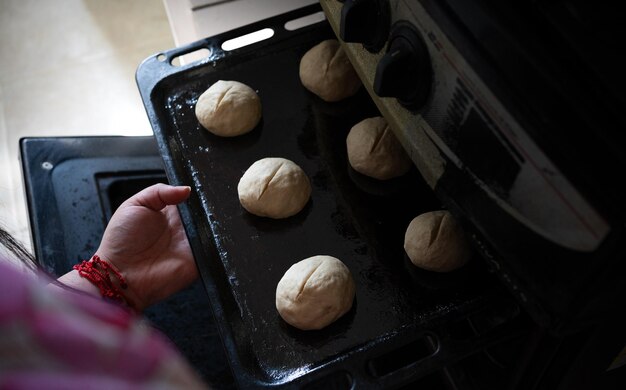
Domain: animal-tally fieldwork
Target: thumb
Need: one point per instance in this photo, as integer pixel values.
(157, 196)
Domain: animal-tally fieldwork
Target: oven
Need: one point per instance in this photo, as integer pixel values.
(511, 115)
(512, 125)
(72, 187)
(512, 129)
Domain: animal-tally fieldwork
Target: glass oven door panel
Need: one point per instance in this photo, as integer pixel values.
(473, 129)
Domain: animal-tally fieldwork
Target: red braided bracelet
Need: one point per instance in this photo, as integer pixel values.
(98, 272)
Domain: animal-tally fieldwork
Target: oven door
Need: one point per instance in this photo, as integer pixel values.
(73, 186)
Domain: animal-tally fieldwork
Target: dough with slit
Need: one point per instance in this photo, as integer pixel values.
(374, 150)
(326, 71)
(274, 187)
(315, 292)
(228, 108)
(435, 241)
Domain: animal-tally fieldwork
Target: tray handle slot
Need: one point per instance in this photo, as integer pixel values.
(184, 55)
(304, 21)
(433, 381)
(247, 39)
(195, 53)
(401, 357)
(273, 30)
(188, 58)
(335, 380)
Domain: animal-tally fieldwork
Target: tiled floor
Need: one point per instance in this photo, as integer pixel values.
(67, 67)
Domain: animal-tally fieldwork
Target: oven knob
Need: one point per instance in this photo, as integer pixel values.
(366, 22)
(404, 72)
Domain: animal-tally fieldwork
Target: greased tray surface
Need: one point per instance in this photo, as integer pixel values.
(242, 257)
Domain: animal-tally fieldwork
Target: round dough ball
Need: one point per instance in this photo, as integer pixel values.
(228, 109)
(436, 242)
(315, 292)
(374, 150)
(274, 187)
(326, 71)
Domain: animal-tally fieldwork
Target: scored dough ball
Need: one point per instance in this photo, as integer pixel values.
(315, 292)
(274, 187)
(374, 151)
(228, 109)
(326, 71)
(436, 242)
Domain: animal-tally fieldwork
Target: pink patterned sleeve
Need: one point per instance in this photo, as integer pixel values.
(56, 339)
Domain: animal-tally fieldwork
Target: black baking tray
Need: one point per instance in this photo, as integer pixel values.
(404, 322)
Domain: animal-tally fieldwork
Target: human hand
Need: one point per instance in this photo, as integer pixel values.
(146, 242)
